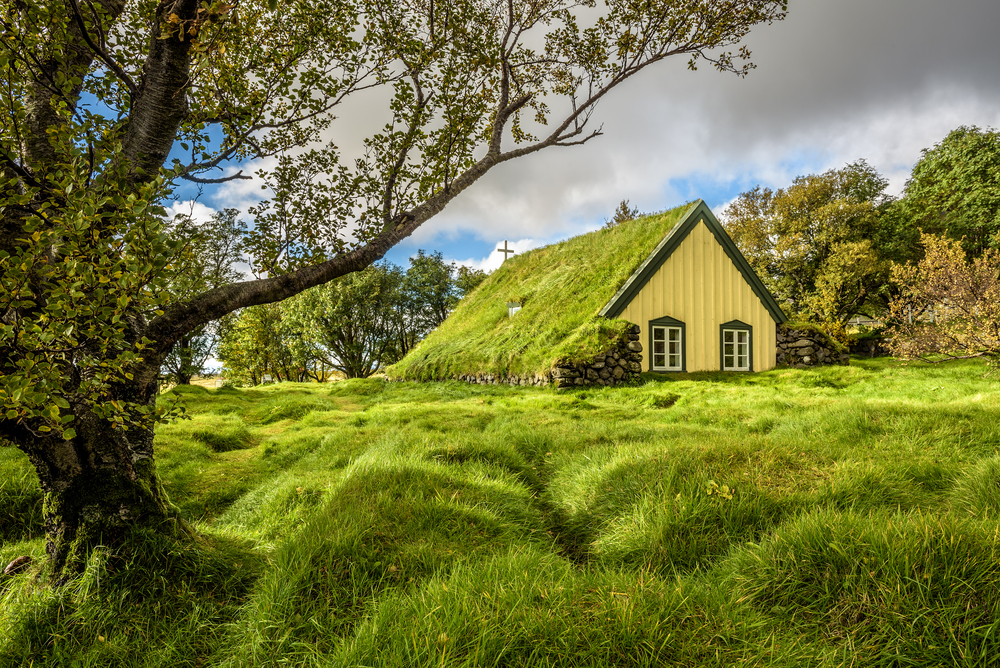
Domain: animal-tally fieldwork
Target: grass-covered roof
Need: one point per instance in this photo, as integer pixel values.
(563, 288)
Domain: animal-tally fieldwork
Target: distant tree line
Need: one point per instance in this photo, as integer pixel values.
(833, 246)
(355, 325)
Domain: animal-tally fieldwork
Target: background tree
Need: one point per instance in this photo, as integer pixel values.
(817, 244)
(954, 189)
(211, 253)
(349, 323)
(430, 291)
(949, 305)
(260, 340)
(97, 94)
(622, 213)
(468, 279)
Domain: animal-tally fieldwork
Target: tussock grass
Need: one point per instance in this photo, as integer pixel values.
(562, 288)
(905, 589)
(825, 517)
(20, 498)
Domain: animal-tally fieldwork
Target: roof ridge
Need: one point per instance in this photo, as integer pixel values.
(671, 241)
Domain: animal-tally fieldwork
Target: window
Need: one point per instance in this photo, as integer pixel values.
(666, 345)
(737, 346)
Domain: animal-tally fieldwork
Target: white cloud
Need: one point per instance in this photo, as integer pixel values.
(243, 193)
(198, 212)
(836, 81)
(495, 258)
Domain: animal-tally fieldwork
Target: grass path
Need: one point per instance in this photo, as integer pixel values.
(828, 517)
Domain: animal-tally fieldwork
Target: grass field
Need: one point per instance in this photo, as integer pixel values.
(844, 516)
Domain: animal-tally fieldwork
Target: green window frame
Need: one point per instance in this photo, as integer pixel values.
(735, 346)
(667, 345)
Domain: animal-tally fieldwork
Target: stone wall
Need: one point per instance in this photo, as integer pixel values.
(801, 348)
(619, 364)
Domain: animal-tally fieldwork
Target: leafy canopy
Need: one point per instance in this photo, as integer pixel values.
(954, 189)
(819, 245)
(949, 305)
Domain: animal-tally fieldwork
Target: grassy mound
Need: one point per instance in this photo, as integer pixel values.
(562, 288)
(820, 517)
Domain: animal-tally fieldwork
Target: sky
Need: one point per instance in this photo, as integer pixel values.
(836, 81)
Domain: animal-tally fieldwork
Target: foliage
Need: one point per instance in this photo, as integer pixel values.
(818, 244)
(949, 305)
(562, 287)
(422, 524)
(357, 324)
(259, 341)
(954, 189)
(431, 291)
(622, 214)
(210, 254)
(350, 323)
(468, 279)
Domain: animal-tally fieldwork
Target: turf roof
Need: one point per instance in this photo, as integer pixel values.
(563, 288)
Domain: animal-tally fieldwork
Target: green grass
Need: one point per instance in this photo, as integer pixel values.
(562, 288)
(824, 517)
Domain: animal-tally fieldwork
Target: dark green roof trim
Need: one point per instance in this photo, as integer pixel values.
(698, 211)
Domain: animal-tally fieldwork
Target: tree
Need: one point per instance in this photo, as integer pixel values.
(468, 279)
(949, 305)
(209, 261)
(622, 213)
(349, 322)
(954, 189)
(261, 340)
(108, 105)
(818, 245)
(430, 291)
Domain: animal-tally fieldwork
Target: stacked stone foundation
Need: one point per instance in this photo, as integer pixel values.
(803, 348)
(621, 363)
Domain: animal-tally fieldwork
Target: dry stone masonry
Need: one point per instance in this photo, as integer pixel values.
(619, 364)
(801, 348)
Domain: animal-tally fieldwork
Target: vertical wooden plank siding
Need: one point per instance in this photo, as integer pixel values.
(700, 286)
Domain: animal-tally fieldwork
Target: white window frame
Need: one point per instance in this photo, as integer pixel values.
(677, 353)
(736, 354)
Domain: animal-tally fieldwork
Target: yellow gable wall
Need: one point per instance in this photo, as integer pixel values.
(700, 286)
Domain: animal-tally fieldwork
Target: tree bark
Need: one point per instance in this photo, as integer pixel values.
(99, 488)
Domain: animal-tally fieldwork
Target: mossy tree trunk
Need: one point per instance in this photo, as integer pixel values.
(99, 487)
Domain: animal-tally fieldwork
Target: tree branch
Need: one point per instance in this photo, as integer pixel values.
(103, 55)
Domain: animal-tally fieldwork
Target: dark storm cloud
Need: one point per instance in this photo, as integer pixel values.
(838, 80)
(835, 82)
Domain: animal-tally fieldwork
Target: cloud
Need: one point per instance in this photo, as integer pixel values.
(198, 212)
(496, 258)
(243, 193)
(836, 82)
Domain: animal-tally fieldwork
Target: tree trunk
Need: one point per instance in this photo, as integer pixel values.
(98, 488)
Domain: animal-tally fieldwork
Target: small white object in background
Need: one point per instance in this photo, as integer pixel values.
(267, 378)
(219, 382)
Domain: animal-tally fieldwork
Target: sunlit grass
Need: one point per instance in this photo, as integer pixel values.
(824, 517)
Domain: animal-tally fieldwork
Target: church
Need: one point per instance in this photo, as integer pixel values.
(698, 303)
(665, 293)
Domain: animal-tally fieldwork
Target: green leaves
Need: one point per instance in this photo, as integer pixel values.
(955, 189)
(818, 244)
